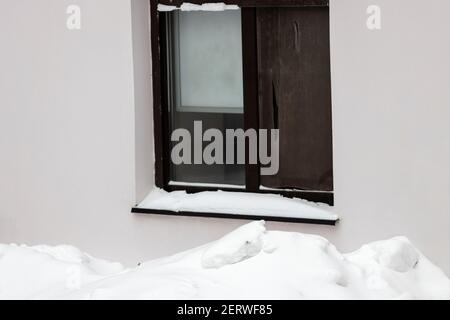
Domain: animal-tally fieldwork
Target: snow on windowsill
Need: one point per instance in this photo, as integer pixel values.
(239, 203)
(186, 6)
(205, 184)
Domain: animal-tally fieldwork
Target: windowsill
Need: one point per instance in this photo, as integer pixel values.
(236, 205)
(206, 185)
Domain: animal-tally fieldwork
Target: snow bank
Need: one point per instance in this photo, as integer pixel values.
(248, 263)
(236, 203)
(398, 254)
(44, 271)
(243, 243)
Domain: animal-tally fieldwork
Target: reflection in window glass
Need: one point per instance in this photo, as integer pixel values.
(205, 84)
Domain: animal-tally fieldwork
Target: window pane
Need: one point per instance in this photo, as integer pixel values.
(208, 60)
(205, 84)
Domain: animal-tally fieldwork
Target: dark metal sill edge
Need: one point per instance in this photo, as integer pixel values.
(233, 216)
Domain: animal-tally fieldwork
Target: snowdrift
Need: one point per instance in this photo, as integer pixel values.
(248, 263)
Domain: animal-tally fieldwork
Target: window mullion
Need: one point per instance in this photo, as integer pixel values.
(250, 70)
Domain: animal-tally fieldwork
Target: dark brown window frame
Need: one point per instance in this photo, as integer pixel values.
(251, 120)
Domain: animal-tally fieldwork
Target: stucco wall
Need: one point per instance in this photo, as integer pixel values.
(75, 130)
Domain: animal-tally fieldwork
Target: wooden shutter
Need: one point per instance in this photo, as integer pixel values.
(295, 94)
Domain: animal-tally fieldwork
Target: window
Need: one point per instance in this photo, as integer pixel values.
(262, 65)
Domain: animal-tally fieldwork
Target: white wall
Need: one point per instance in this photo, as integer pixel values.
(69, 102)
(391, 109)
(143, 112)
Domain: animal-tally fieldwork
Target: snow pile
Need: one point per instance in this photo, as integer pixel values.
(45, 272)
(399, 255)
(236, 246)
(249, 263)
(236, 203)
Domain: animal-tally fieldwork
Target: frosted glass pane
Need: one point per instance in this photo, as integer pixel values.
(209, 66)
